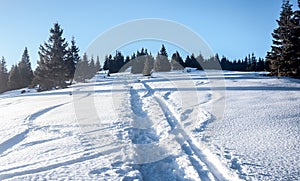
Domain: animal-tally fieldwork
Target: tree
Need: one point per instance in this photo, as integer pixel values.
(82, 70)
(191, 61)
(25, 71)
(3, 76)
(295, 40)
(72, 60)
(138, 61)
(282, 49)
(107, 60)
(200, 61)
(149, 65)
(92, 68)
(117, 63)
(52, 71)
(162, 63)
(177, 62)
(14, 78)
(98, 65)
(253, 62)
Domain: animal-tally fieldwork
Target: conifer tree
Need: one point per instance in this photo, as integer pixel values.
(52, 71)
(82, 71)
(177, 62)
(108, 59)
(98, 65)
(72, 60)
(92, 68)
(14, 78)
(282, 50)
(138, 61)
(149, 65)
(162, 63)
(24, 66)
(3, 76)
(295, 40)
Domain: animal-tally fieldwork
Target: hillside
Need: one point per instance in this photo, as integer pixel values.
(172, 126)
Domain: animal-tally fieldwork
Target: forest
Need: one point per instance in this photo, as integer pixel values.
(60, 64)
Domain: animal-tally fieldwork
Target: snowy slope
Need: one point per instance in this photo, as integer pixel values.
(127, 127)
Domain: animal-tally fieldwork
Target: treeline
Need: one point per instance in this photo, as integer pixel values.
(143, 62)
(56, 66)
(19, 76)
(58, 60)
(284, 57)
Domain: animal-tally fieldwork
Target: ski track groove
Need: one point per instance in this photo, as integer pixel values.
(16, 139)
(57, 165)
(175, 125)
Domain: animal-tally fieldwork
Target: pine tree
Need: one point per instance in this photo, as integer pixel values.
(98, 65)
(252, 66)
(149, 65)
(191, 61)
(177, 62)
(92, 68)
(3, 76)
(117, 63)
(162, 63)
(108, 59)
(138, 61)
(14, 78)
(52, 71)
(295, 39)
(25, 71)
(282, 48)
(187, 62)
(72, 60)
(200, 61)
(82, 70)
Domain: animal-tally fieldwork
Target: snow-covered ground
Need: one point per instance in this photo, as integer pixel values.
(172, 126)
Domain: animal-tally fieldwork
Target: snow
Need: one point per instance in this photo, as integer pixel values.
(173, 126)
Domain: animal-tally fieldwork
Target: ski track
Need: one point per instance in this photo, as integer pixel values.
(89, 152)
(56, 165)
(15, 140)
(189, 147)
(34, 116)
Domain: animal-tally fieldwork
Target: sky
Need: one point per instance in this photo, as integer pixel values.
(233, 28)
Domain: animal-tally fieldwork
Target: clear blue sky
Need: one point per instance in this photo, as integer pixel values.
(232, 28)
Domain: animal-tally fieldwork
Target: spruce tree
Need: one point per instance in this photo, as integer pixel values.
(282, 48)
(108, 59)
(72, 60)
(295, 39)
(82, 71)
(24, 66)
(92, 68)
(138, 61)
(3, 76)
(98, 65)
(162, 63)
(199, 61)
(52, 71)
(14, 78)
(177, 62)
(149, 65)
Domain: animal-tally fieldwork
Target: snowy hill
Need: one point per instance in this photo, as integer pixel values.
(172, 126)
